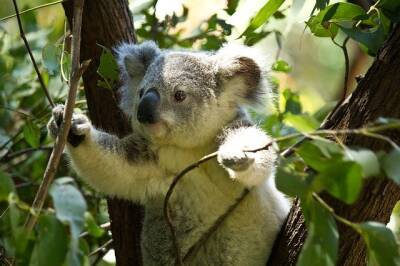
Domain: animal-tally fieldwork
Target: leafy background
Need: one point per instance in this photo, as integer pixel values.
(304, 42)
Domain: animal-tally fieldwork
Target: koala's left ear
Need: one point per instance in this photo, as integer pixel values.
(241, 72)
(133, 59)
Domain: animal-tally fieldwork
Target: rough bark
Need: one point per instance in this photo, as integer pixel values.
(377, 95)
(109, 22)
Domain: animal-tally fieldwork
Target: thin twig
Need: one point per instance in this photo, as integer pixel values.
(4, 145)
(347, 66)
(16, 111)
(99, 249)
(15, 154)
(32, 9)
(331, 210)
(63, 77)
(28, 48)
(168, 196)
(55, 156)
(194, 248)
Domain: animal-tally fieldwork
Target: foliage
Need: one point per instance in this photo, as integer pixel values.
(69, 225)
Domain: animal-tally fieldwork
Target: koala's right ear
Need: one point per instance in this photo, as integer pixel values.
(133, 59)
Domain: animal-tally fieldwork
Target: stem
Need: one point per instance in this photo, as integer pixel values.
(32, 9)
(332, 211)
(28, 48)
(347, 66)
(9, 157)
(168, 196)
(55, 156)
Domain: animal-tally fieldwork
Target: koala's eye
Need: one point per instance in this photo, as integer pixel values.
(180, 96)
(141, 92)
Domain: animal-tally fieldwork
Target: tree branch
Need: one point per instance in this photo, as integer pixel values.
(55, 156)
(28, 48)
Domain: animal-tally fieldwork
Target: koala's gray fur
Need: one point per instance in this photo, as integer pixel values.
(182, 106)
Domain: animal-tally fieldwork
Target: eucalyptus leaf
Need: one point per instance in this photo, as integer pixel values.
(6, 186)
(31, 133)
(302, 122)
(281, 66)
(51, 58)
(292, 102)
(321, 245)
(290, 182)
(366, 159)
(108, 69)
(381, 244)
(51, 237)
(232, 5)
(342, 180)
(324, 23)
(391, 165)
(320, 154)
(92, 227)
(70, 208)
(263, 15)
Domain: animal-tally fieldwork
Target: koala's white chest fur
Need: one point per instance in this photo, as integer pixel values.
(200, 198)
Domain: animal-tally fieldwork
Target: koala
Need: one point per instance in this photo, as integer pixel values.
(183, 105)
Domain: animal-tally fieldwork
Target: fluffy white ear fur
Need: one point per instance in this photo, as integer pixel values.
(134, 59)
(243, 70)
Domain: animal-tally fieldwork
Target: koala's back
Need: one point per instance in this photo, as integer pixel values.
(244, 238)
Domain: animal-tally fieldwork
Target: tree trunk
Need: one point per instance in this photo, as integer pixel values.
(377, 95)
(109, 22)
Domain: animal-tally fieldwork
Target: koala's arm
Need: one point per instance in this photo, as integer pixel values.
(117, 167)
(249, 168)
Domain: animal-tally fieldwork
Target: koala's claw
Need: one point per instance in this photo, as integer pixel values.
(80, 126)
(236, 161)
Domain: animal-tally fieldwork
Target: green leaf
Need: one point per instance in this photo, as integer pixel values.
(321, 4)
(31, 134)
(281, 66)
(321, 245)
(108, 69)
(367, 159)
(291, 182)
(343, 12)
(301, 122)
(391, 9)
(263, 15)
(51, 237)
(391, 165)
(381, 244)
(70, 208)
(292, 102)
(324, 23)
(254, 37)
(342, 180)
(6, 186)
(232, 5)
(371, 39)
(320, 154)
(51, 56)
(92, 227)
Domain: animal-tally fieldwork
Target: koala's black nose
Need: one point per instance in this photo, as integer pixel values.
(147, 110)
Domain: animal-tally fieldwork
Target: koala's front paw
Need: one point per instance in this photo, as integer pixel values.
(234, 159)
(80, 126)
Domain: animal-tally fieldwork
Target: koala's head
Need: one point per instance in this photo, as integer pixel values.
(185, 98)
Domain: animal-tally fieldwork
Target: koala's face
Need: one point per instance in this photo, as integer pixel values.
(185, 98)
